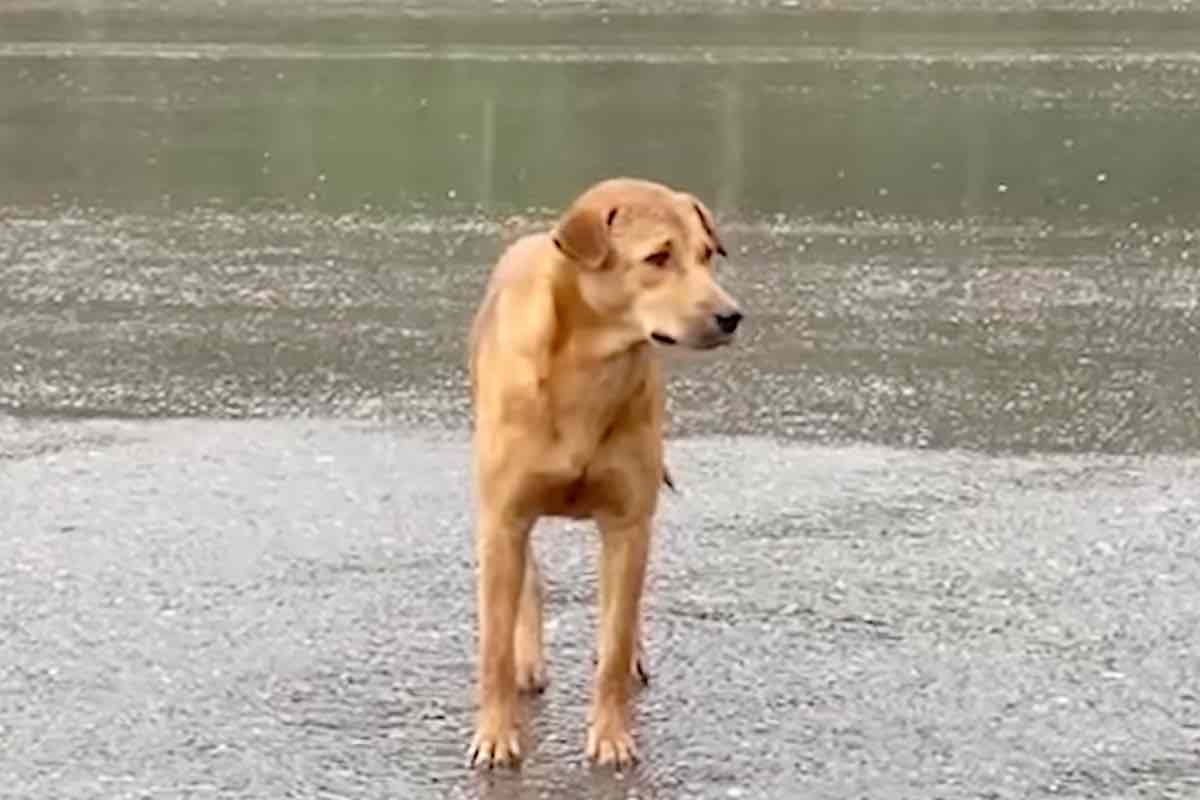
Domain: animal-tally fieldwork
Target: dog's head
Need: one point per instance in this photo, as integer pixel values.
(644, 256)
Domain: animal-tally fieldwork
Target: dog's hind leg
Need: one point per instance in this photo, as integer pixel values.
(639, 670)
(527, 644)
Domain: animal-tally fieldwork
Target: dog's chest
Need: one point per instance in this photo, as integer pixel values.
(591, 407)
(589, 401)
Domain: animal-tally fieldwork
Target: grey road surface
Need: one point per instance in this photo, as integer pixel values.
(274, 609)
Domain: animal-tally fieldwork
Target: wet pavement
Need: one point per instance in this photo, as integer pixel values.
(275, 608)
(936, 535)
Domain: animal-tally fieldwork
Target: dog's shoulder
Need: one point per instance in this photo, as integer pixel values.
(516, 319)
(523, 262)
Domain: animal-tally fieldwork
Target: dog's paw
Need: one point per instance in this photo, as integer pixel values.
(495, 745)
(610, 744)
(531, 676)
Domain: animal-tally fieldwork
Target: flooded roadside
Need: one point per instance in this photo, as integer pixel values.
(984, 236)
(1002, 338)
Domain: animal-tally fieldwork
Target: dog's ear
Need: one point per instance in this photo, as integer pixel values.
(710, 225)
(582, 235)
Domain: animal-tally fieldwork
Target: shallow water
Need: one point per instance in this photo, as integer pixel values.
(950, 230)
(934, 538)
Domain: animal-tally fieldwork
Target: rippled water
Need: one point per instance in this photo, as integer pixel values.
(967, 334)
(950, 229)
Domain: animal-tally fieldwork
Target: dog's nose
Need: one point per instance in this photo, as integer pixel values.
(728, 321)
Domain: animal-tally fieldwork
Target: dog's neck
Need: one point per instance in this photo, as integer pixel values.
(590, 334)
(603, 368)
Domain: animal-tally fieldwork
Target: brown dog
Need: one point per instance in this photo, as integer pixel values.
(568, 421)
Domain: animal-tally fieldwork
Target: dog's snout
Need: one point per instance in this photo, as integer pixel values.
(728, 321)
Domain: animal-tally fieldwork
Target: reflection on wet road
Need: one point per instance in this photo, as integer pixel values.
(936, 531)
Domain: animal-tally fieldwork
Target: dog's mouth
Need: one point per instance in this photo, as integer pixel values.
(705, 343)
(714, 343)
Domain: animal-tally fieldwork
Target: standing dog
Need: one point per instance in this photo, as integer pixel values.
(568, 402)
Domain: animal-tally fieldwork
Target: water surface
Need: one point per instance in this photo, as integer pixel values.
(951, 228)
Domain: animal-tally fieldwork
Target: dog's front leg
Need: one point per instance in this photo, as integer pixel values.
(502, 551)
(625, 548)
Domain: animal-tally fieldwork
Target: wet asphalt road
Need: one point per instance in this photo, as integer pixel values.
(285, 609)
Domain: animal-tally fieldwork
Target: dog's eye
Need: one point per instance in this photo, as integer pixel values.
(708, 254)
(659, 259)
